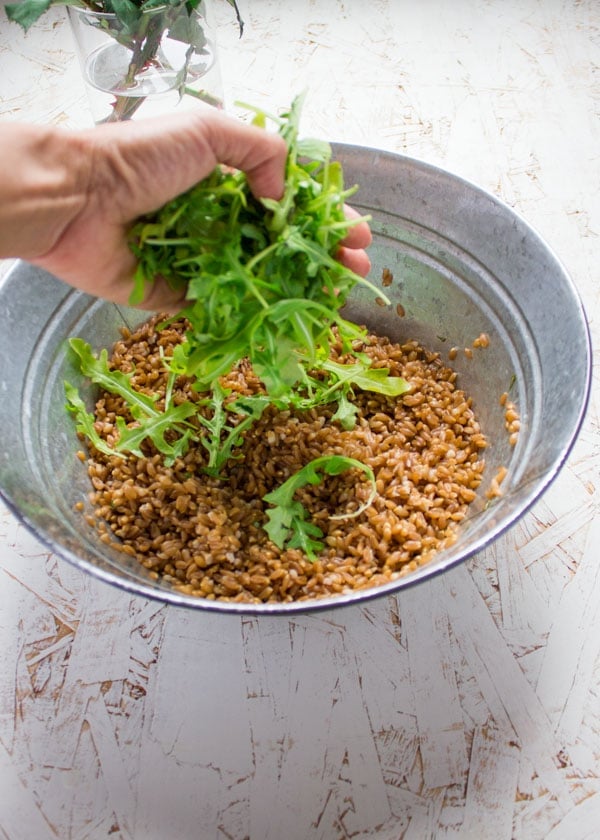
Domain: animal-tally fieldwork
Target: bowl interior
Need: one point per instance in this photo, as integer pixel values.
(461, 264)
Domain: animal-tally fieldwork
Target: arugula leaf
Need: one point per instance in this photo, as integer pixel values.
(361, 374)
(86, 420)
(224, 437)
(167, 429)
(262, 279)
(337, 383)
(115, 381)
(155, 428)
(346, 412)
(289, 525)
(288, 522)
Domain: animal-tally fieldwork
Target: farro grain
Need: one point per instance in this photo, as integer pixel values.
(386, 277)
(205, 537)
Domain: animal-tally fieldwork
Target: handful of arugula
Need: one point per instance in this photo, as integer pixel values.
(261, 276)
(262, 283)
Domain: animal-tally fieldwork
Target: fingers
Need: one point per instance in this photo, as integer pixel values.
(266, 178)
(351, 252)
(359, 236)
(356, 260)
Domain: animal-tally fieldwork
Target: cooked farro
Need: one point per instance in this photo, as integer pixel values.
(205, 536)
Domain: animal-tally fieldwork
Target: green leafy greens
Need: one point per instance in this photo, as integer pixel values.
(223, 435)
(261, 277)
(262, 283)
(288, 521)
(166, 428)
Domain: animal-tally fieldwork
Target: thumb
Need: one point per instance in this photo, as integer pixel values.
(255, 151)
(147, 163)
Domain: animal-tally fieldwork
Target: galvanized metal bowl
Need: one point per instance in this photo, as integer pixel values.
(462, 263)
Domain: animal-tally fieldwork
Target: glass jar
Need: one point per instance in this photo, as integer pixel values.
(149, 63)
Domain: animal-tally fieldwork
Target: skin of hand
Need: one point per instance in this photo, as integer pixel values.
(67, 198)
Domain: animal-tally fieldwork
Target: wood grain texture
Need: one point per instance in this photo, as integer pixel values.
(468, 708)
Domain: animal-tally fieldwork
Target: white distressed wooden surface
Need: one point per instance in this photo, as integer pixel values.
(466, 708)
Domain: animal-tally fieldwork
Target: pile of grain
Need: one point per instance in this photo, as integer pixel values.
(205, 535)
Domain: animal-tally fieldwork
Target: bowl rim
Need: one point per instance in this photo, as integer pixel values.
(447, 560)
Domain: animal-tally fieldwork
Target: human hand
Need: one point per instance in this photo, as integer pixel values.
(352, 250)
(73, 195)
(136, 167)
